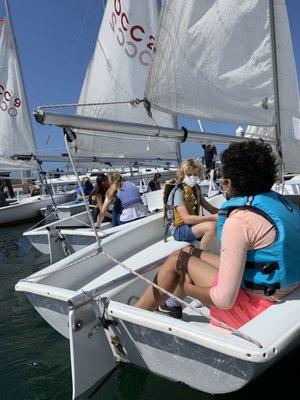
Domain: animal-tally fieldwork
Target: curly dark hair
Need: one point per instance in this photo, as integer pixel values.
(251, 166)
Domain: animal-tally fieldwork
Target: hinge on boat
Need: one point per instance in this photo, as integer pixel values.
(105, 322)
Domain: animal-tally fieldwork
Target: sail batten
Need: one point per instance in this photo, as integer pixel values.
(16, 133)
(117, 72)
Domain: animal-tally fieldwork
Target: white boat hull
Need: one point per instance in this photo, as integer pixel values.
(203, 357)
(28, 208)
(64, 211)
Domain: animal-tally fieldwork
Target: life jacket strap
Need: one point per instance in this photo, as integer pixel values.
(268, 290)
(265, 268)
(167, 227)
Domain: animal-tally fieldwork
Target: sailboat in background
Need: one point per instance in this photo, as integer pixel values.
(116, 73)
(213, 60)
(16, 131)
(16, 126)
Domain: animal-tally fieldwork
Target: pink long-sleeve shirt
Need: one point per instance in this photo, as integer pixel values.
(243, 230)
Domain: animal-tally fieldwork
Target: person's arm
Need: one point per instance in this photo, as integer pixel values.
(235, 244)
(236, 241)
(78, 194)
(207, 206)
(103, 212)
(201, 293)
(100, 205)
(189, 219)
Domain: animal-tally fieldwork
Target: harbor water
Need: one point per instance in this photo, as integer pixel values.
(34, 359)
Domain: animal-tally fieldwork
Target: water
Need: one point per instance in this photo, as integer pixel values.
(34, 359)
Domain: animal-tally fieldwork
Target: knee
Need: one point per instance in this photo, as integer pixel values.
(174, 256)
(211, 227)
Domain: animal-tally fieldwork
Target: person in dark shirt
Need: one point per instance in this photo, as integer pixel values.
(3, 201)
(155, 183)
(210, 152)
(7, 183)
(87, 187)
(97, 197)
(36, 191)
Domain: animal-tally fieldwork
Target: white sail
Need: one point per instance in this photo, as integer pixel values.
(16, 133)
(288, 94)
(211, 63)
(117, 72)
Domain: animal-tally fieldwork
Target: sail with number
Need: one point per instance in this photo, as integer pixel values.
(16, 132)
(212, 63)
(117, 73)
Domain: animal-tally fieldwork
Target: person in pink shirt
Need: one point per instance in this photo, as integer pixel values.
(255, 267)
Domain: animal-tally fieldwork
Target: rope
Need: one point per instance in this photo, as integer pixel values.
(197, 310)
(46, 274)
(43, 178)
(82, 192)
(133, 103)
(44, 219)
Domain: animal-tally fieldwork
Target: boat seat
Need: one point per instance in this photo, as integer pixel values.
(138, 262)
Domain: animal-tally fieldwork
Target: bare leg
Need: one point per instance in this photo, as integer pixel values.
(170, 273)
(211, 258)
(179, 292)
(206, 230)
(167, 278)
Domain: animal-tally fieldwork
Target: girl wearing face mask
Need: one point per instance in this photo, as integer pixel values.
(97, 197)
(185, 200)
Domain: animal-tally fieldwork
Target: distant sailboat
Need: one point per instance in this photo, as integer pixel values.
(16, 132)
(15, 123)
(117, 72)
(213, 60)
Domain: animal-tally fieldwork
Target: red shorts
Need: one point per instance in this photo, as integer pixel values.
(245, 308)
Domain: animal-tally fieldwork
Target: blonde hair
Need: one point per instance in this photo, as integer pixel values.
(189, 165)
(116, 181)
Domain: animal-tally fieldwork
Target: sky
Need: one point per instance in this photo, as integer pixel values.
(56, 39)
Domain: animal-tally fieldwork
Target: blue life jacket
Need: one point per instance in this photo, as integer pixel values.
(128, 194)
(278, 265)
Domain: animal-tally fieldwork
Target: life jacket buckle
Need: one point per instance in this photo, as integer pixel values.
(269, 290)
(268, 268)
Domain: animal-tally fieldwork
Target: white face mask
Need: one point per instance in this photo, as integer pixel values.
(191, 181)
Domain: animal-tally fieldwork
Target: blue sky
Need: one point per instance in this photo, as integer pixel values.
(56, 39)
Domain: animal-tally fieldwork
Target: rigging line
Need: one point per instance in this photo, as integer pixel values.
(43, 178)
(219, 323)
(40, 222)
(132, 102)
(81, 190)
(46, 274)
(80, 32)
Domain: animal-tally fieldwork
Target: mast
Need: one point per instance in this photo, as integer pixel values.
(177, 145)
(276, 87)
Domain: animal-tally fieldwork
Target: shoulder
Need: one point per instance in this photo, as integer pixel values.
(178, 195)
(252, 226)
